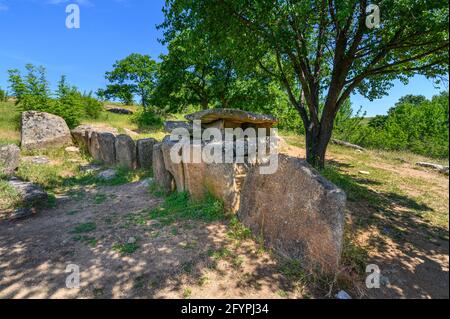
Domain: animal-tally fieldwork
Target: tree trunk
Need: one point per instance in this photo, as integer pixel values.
(317, 139)
(204, 103)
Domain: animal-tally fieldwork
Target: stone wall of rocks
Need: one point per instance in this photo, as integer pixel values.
(107, 146)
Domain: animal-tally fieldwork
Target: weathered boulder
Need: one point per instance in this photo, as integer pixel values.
(125, 151)
(161, 175)
(440, 168)
(41, 130)
(222, 181)
(232, 116)
(31, 195)
(176, 169)
(102, 147)
(297, 211)
(107, 175)
(144, 149)
(9, 159)
(82, 134)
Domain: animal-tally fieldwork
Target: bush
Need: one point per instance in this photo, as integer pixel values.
(3, 96)
(33, 94)
(145, 119)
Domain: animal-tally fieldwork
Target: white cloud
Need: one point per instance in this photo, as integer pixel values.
(3, 7)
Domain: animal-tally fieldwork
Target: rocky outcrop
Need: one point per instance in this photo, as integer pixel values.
(347, 144)
(125, 150)
(9, 159)
(119, 110)
(298, 213)
(161, 175)
(144, 150)
(41, 130)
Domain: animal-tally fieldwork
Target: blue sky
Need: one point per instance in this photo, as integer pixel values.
(34, 31)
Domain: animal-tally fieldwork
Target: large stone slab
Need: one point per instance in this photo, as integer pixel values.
(102, 147)
(232, 115)
(40, 130)
(31, 195)
(176, 169)
(169, 126)
(125, 151)
(297, 211)
(144, 149)
(161, 175)
(9, 159)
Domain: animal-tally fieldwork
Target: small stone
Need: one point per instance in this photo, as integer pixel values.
(364, 172)
(343, 295)
(90, 168)
(40, 160)
(146, 182)
(107, 175)
(72, 149)
(131, 240)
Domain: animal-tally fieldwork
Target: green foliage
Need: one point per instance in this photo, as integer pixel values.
(126, 249)
(133, 75)
(3, 95)
(147, 119)
(415, 124)
(33, 94)
(84, 228)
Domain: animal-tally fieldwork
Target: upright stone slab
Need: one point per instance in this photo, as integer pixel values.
(82, 133)
(297, 211)
(145, 152)
(176, 169)
(161, 175)
(9, 159)
(102, 147)
(40, 130)
(125, 151)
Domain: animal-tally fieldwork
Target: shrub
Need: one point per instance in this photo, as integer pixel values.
(3, 95)
(145, 119)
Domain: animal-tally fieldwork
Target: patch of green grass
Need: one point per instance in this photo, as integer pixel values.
(237, 230)
(187, 293)
(9, 123)
(84, 228)
(220, 254)
(9, 197)
(178, 206)
(126, 249)
(91, 241)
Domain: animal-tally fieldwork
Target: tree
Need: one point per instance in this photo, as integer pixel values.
(321, 50)
(192, 74)
(134, 75)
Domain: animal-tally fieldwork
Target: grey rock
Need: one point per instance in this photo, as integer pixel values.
(119, 110)
(9, 159)
(161, 175)
(107, 175)
(102, 147)
(232, 115)
(82, 134)
(31, 195)
(144, 149)
(89, 168)
(297, 211)
(440, 168)
(72, 149)
(347, 144)
(22, 213)
(175, 169)
(41, 130)
(125, 151)
(38, 159)
(131, 240)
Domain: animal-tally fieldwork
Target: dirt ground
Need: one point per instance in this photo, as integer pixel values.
(188, 259)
